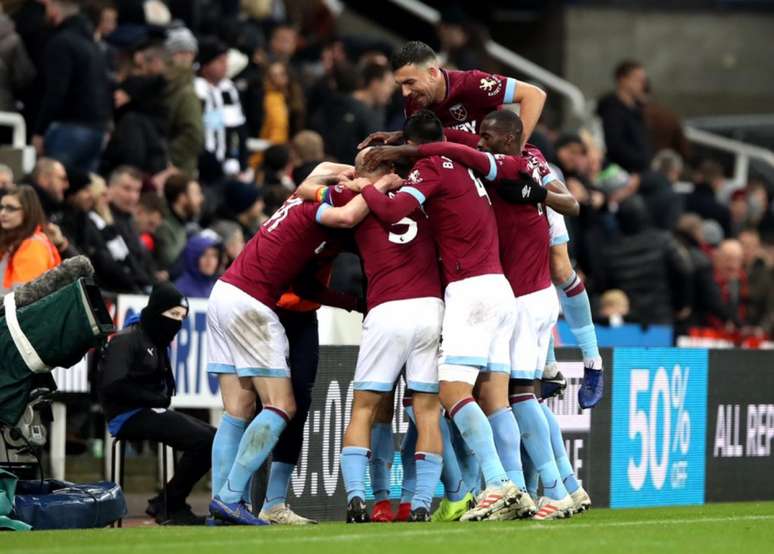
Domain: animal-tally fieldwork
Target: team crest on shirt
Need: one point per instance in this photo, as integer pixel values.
(491, 85)
(458, 112)
(414, 177)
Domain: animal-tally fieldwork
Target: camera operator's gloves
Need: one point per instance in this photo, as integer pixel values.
(522, 191)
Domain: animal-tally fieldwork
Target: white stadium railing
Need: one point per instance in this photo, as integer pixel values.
(581, 106)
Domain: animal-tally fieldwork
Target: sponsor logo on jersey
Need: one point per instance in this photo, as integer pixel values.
(469, 126)
(491, 85)
(459, 112)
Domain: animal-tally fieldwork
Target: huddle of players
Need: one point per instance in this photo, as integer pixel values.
(495, 318)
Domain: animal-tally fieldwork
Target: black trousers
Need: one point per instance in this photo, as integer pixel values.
(185, 434)
(304, 340)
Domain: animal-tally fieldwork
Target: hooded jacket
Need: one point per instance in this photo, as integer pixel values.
(192, 283)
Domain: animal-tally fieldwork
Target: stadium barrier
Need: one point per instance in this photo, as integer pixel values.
(676, 426)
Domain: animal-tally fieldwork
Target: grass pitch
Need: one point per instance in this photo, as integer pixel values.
(739, 527)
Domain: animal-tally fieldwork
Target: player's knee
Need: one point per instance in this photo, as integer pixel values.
(240, 406)
(561, 267)
(287, 404)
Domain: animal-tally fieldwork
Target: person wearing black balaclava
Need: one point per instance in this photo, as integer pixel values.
(135, 385)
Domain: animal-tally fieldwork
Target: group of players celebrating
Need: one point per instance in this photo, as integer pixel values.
(466, 264)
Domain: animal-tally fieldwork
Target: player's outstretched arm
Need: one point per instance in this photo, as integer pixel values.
(391, 210)
(381, 154)
(531, 100)
(345, 217)
(480, 162)
(325, 174)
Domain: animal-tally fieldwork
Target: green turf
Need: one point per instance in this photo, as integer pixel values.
(741, 527)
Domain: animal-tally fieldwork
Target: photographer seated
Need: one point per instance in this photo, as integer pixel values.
(136, 384)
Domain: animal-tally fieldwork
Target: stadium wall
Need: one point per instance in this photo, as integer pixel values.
(677, 425)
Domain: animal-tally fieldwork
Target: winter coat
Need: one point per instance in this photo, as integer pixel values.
(185, 128)
(76, 79)
(192, 283)
(170, 240)
(626, 136)
(16, 69)
(139, 138)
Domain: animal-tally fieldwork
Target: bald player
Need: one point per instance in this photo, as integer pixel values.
(403, 327)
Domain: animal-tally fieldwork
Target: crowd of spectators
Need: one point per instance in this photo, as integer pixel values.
(168, 131)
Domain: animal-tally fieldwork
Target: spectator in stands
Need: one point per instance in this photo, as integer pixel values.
(139, 136)
(283, 42)
(614, 306)
(458, 47)
(49, 179)
(273, 198)
(16, 70)
(249, 81)
(6, 179)
(185, 130)
(308, 151)
(76, 105)
(184, 202)
(231, 237)
(202, 262)
(626, 136)
(703, 200)
(124, 188)
(276, 167)
(760, 276)
(375, 90)
(78, 201)
(225, 148)
(135, 384)
(645, 263)
(243, 203)
(732, 279)
(276, 111)
(25, 250)
(344, 119)
(657, 189)
(101, 241)
(704, 295)
(665, 128)
(149, 216)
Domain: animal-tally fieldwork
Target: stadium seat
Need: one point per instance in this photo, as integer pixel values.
(120, 444)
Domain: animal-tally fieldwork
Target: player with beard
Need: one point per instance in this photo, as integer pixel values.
(523, 228)
(461, 100)
(480, 311)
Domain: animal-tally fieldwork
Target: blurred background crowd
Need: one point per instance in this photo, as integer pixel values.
(166, 132)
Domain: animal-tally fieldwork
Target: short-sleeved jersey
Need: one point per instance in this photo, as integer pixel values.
(470, 96)
(400, 260)
(461, 217)
(277, 254)
(523, 229)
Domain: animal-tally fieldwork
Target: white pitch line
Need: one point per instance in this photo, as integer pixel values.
(440, 530)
